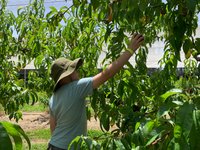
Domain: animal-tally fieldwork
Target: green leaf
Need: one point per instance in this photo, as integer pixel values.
(76, 3)
(163, 110)
(184, 118)
(105, 121)
(5, 142)
(14, 134)
(21, 131)
(148, 127)
(75, 143)
(119, 145)
(187, 46)
(125, 142)
(177, 146)
(53, 9)
(197, 44)
(34, 97)
(191, 4)
(177, 132)
(196, 118)
(19, 9)
(26, 97)
(194, 136)
(94, 3)
(177, 102)
(137, 125)
(170, 93)
(88, 112)
(152, 139)
(14, 131)
(120, 89)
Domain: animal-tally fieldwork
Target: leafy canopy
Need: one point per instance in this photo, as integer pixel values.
(154, 112)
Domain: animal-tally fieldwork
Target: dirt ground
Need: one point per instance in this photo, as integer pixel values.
(40, 120)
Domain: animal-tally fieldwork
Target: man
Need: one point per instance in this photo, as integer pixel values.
(67, 105)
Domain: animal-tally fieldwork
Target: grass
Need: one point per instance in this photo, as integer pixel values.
(37, 107)
(38, 146)
(40, 106)
(39, 138)
(42, 146)
(43, 134)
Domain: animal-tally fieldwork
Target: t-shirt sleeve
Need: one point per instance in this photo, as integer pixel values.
(50, 106)
(84, 86)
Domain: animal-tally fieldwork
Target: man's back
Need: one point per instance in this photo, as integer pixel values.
(67, 105)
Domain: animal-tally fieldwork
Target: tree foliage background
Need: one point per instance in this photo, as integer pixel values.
(155, 112)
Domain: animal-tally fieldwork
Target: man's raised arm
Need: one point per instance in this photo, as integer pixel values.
(117, 65)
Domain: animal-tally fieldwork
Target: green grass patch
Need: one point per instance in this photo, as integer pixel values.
(37, 107)
(42, 146)
(43, 134)
(39, 139)
(37, 146)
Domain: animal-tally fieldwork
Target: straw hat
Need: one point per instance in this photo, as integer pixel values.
(62, 68)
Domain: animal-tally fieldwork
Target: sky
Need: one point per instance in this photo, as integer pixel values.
(14, 4)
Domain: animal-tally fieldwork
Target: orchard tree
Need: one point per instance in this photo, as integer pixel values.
(157, 111)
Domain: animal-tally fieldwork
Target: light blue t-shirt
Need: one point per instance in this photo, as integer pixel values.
(67, 106)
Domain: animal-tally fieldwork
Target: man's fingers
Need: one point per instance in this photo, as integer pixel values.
(134, 35)
(137, 39)
(140, 39)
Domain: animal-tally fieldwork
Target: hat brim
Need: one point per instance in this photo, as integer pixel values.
(73, 66)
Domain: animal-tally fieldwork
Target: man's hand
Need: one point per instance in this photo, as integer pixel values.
(135, 42)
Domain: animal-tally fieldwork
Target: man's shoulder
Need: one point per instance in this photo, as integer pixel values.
(84, 80)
